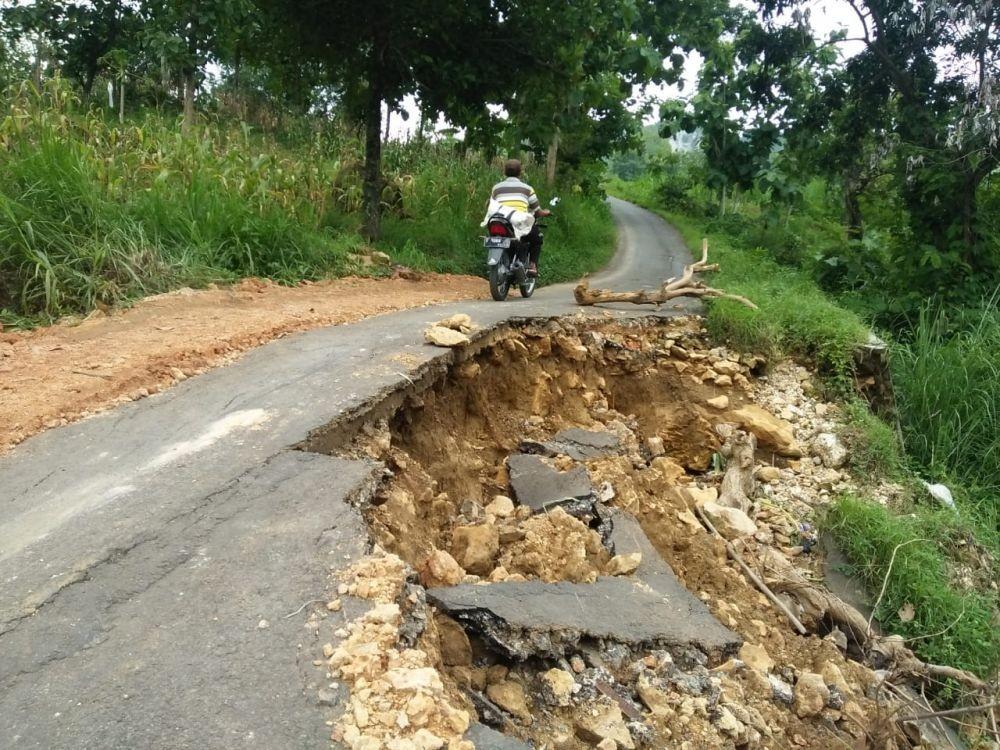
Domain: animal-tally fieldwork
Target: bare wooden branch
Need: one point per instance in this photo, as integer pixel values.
(684, 286)
(731, 551)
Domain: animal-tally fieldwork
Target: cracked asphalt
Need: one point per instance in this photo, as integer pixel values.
(157, 562)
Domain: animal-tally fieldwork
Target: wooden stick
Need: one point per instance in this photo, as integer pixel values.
(950, 712)
(751, 575)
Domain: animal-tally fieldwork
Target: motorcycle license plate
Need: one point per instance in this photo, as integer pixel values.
(498, 242)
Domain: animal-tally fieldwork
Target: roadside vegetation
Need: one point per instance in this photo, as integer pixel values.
(790, 259)
(94, 212)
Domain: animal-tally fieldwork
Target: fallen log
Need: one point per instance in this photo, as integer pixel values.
(738, 483)
(685, 286)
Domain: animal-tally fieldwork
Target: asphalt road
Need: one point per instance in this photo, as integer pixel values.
(141, 549)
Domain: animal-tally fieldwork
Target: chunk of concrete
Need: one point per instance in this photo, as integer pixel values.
(485, 738)
(576, 443)
(539, 486)
(521, 619)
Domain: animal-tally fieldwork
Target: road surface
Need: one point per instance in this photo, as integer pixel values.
(152, 557)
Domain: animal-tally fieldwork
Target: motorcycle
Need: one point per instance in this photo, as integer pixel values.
(507, 257)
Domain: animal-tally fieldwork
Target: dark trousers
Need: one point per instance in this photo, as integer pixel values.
(533, 241)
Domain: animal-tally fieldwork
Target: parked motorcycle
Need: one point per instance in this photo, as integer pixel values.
(507, 257)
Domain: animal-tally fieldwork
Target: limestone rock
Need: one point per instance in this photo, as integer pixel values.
(509, 695)
(457, 322)
(768, 474)
(731, 523)
(441, 336)
(621, 565)
(811, 695)
(654, 698)
(440, 569)
(831, 451)
(772, 432)
(756, 657)
(605, 723)
(476, 547)
(558, 687)
(422, 678)
(719, 402)
(502, 507)
(725, 367)
(833, 676)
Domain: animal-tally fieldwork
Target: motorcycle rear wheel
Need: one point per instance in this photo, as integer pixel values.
(499, 283)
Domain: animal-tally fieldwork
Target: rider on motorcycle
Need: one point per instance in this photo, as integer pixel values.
(520, 196)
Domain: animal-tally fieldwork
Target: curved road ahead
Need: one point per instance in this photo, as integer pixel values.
(140, 550)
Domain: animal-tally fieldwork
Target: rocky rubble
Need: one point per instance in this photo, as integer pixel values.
(544, 495)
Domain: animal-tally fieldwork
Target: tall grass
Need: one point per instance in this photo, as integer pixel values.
(948, 388)
(93, 211)
(949, 626)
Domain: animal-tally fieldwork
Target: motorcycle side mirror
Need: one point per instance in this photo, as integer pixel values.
(554, 202)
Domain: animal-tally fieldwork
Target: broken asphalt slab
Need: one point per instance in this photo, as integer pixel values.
(578, 444)
(541, 487)
(485, 738)
(522, 619)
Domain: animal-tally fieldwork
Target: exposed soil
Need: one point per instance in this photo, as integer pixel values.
(446, 511)
(54, 375)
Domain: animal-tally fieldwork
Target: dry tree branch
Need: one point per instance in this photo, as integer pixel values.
(684, 286)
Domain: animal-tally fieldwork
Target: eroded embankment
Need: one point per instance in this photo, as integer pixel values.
(545, 573)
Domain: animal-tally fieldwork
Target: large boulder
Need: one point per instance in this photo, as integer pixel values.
(771, 432)
(830, 450)
(732, 523)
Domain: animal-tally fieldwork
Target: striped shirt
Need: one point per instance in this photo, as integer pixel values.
(516, 194)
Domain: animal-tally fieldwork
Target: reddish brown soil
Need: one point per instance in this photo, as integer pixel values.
(54, 375)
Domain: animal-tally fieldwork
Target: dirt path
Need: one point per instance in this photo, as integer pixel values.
(51, 376)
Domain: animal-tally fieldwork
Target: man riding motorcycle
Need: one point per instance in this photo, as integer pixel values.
(517, 195)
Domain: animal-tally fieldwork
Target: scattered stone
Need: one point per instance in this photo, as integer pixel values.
(655, 446)
(768, 474)
(781, 690)
(772, 432)
(539, 486)
(756, 657)
(732, 523)
(446, 337)
(558, 687)
(719, 402)
(501, 507)
(475, 548)
(833, 676)
(621, 565)
(457, 322)
(440, 569)
(830, 450)
(655, 699)
(509, 695)
(604, 723)
(811, 695)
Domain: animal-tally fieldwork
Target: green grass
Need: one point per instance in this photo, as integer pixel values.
(873, 445)
(794, 315)
(93, 211)
(950, 626)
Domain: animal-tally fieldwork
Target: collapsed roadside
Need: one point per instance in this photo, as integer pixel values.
(569, 529)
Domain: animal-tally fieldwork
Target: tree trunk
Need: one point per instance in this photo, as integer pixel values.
(970, 237)
(121, 98)
(388, 122)
(853, 221)
(722, 208)
(550, 160)
(373, 161)
(188, 121)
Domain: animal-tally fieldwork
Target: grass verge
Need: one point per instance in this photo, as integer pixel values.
(949, 624)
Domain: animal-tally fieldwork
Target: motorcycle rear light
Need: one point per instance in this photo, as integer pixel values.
(497, 230)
